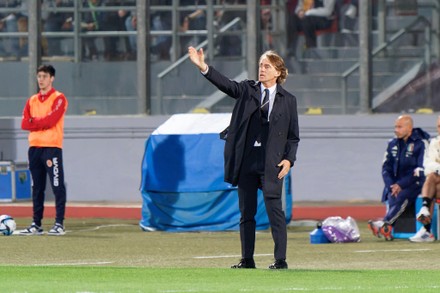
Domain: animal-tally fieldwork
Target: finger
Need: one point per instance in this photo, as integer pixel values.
(282, 174)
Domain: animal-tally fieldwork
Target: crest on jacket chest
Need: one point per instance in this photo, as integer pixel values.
(409, 150)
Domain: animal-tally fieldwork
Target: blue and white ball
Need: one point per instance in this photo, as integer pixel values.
(7, 225)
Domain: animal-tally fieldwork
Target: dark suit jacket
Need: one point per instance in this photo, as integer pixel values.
(283, 139)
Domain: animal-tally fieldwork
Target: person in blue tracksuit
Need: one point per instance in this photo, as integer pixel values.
(402, 173)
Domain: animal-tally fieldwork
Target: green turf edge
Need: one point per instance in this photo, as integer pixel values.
(128, 279)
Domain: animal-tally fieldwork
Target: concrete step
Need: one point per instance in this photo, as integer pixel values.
(352, 53)
(334, 80)
(350, 38)
(311, 66)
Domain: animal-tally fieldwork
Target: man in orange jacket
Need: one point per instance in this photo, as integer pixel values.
(43, 117)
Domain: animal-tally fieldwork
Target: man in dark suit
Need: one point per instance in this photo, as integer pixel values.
(260, 148)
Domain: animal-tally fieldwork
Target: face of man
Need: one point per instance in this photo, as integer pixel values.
(402, 128)
(267, 74)
(44, 81)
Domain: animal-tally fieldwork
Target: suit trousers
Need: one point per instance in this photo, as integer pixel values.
(251, 179)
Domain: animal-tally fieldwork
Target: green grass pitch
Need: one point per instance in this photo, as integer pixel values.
(102, 255)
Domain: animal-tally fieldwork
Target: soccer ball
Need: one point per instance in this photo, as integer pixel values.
(7, 225)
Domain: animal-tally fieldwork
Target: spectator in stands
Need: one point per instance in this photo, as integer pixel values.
(114, 21)
(56, 21)
(110, 22)
(22, 24)
(192, 20)
(90, 21)
(161, 21)
(8, 23)
(230, 45)
(261, 145)
(430, 190)
(402, 172)
(349, 15)
(125, 16)
(160, 46)
(310, 16)
(266, 27)
(131, 26)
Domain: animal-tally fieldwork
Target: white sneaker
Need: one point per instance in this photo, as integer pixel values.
(57, 230)
(351, 11)
(32, 230)
(424, 216)
(422, 236)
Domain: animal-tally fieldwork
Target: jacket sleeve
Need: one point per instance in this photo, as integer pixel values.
(226, 85)
(27, 119)
(387, 168)
(431, 163)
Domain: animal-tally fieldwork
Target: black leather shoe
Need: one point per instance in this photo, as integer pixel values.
(279, 264)
(245, 263)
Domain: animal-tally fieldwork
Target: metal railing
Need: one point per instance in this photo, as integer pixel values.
(185, 57)
(77, 9)
(76, 33)
(426, 58)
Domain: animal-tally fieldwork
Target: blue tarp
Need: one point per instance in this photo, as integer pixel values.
(182, 178)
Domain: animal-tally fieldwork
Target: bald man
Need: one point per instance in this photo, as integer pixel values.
(430, 190)
(402, 173)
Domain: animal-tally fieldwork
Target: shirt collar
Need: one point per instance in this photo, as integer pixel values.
(271, 89)
(42, 97)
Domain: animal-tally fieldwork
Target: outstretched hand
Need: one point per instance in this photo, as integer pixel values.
(198, 58)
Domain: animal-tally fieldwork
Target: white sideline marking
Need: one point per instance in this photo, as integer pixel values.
(227, 256)
(102, 226)
(393, 250)
(76, 263)
(17, 232)
(176, 291)
(305, 289)
(358, 288)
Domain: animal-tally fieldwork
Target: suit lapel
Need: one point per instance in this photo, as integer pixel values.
(276, 112)
(254, 104)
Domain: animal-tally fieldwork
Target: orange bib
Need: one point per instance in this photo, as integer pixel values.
(52, 137)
